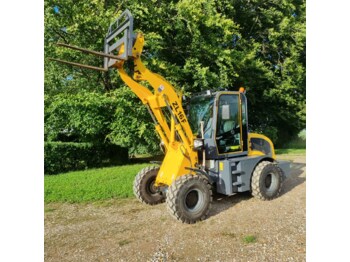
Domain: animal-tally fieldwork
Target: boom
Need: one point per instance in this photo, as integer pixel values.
(174, 131)
(178, 137)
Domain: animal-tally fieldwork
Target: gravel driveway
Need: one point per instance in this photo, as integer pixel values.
(240, 228)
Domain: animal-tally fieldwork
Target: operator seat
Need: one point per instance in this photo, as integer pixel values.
(228, 125)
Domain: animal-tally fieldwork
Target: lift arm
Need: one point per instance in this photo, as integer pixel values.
(175, 133)
(178, 137)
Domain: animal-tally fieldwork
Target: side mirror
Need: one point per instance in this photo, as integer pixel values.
(225, 114)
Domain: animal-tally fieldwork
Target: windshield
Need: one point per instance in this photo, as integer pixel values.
(201, 109)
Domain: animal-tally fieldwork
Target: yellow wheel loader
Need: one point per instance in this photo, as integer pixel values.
(206, 149)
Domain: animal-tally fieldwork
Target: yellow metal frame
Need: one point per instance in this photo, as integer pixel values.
(257, 152)
(178, 137)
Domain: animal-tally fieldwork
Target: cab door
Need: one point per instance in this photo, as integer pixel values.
(231, 131)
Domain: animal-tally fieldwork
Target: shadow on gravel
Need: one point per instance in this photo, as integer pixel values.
(223, 202)
(294, 179)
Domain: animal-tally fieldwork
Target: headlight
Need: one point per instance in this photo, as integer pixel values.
(198, 144)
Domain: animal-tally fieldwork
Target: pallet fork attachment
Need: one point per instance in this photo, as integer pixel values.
(116, 49)
(79, 65)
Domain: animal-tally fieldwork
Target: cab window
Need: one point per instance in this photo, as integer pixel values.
(228, 129)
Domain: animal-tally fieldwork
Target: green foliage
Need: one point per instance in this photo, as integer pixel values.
(91, 185)
(132, 126)
(196, 45)
(249, 239)
(81, 117)
(81, 23)
(61, 157)
(94, 117)
(274, 69)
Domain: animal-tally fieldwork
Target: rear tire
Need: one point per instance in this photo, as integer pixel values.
(189, 198)
(266, 181)
(144, 188)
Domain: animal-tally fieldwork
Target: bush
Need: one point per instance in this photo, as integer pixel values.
(61, 157)
(82, 117)
(118, 117)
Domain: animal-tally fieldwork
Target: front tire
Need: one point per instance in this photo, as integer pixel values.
(266, 181)
(144, 188)
(189, 198)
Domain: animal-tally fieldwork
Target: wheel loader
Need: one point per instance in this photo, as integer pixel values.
(207, 149)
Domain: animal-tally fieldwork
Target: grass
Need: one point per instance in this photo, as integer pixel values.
(290, 151)
(99, 185)
(91, 185)
(249, 239)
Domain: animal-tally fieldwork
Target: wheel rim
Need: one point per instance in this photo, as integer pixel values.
(270, 182)
(151, 188)
(194, 200)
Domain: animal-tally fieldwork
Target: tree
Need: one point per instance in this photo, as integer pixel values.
(273, 68)
(196, 45)
(132, 126)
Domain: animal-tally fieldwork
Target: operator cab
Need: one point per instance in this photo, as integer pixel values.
(224, 116)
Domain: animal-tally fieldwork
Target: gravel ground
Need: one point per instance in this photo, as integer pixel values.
(126, 230)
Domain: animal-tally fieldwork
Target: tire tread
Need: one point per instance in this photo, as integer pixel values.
(255, 183)
(173, 195)
(137, 185)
